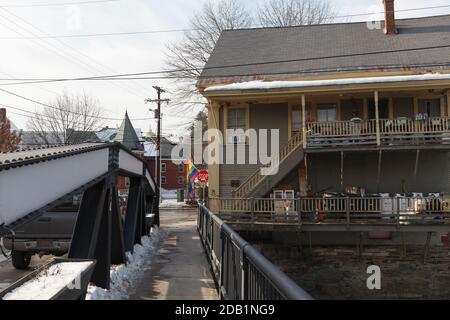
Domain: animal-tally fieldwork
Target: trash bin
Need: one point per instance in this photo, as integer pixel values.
(180, 195)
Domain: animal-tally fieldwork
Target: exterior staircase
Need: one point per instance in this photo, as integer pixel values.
(258, 184)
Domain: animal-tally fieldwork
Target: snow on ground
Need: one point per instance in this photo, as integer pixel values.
(124, 278)
(49, 282)
(171, 204)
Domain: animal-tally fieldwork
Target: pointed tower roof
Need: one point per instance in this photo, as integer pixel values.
(127, 135)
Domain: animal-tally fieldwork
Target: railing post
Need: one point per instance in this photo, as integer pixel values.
(347, 211)
(299, 211)
(377, 119)
(222, 264)
(252, 205)
(244, 274)
(304, 132)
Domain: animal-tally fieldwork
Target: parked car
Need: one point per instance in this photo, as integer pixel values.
(49, 234)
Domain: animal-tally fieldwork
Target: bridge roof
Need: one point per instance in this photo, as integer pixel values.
(12, 159)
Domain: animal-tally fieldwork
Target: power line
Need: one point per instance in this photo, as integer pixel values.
(73, 112)
(109, 34)
(56, 108)
(90, 35)
(122, 76)
(56, 4)
(69, 52)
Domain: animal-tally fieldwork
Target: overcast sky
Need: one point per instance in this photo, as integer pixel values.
(79, 57)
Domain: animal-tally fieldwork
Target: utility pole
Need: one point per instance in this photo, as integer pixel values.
(158, 101)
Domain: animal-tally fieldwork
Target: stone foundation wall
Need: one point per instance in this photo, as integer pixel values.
(341, 272)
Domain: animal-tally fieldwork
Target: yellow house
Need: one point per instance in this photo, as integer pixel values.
(359, 109)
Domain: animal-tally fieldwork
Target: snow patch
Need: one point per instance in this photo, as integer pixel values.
(267, 85)
(49, 282)
(124, 278)
(168, 194)
(171, 204)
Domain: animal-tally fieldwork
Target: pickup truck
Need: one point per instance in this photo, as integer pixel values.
(50, 234)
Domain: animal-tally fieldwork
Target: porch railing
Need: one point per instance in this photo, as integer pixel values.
(253, 180)
(347, 210)
(365, 131)
(341, 128)
(411, 126)
(241, 271)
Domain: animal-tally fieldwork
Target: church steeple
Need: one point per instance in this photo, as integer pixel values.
(127, 135)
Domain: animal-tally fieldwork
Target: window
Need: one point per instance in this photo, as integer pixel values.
(163, 167)
(163, 180)
(180, 180)
(181, 168)
(296, 118)
(326, 113)
(430, 107)
(236, 120)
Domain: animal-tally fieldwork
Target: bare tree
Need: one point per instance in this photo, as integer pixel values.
(284, 13)
(191, 54)
(66, 117)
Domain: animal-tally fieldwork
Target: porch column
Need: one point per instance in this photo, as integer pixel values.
(448, 103)
(213, 169)
(304, 121)
(377, 119)
(442, 103)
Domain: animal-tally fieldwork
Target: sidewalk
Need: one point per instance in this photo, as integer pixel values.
(180, 270)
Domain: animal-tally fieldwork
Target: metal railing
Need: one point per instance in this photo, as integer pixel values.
(254, 179)
(240, 270)
(346, 210)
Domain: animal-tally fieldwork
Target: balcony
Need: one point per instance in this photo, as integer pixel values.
(401, 131)
(339, 212)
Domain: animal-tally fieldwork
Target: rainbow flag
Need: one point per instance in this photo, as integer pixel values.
(191, 174)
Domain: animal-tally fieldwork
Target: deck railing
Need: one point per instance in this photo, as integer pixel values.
(365, 131)
(240, 270)
(412, 126)
(254, 179)
(341, 128)
(349, 210)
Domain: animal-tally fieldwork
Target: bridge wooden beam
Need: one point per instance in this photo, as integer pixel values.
(132, 214)
(92, 235)
(117, 240)
(101, 275)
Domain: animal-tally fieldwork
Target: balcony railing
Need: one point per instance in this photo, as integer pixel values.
(401, 130)
(345, 210)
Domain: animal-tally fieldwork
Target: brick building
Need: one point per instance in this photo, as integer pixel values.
(173, 172)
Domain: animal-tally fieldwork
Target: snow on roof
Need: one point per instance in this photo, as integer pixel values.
(109, 134)
(267, 85)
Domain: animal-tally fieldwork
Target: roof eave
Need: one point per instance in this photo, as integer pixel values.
(391, 86)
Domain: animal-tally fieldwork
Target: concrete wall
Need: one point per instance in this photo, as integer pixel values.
(397, 171)
(267, 116)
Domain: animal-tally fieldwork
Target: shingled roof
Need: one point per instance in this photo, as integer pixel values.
(127, 135)
(250, 46)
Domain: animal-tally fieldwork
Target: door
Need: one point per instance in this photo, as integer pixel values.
(383, 109)
(431, 108)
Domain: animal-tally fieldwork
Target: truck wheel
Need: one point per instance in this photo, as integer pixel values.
(21, 260)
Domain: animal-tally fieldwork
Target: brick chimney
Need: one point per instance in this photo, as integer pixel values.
(2, 115)
(389, 17)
